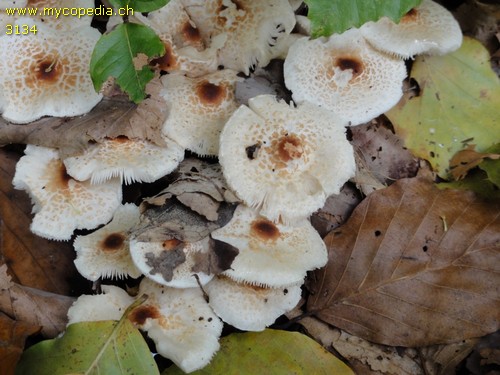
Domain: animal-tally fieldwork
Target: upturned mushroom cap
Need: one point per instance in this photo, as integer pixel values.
(247, 307)
(170, 262)
(344, 74)
(106, 252)
(128, 159)
(285, 160)
(271, 255)
(252, 28)
(47, 73)
(180, 322)
(429, 28)
(110, 305)
(198, 109)
(62, 204)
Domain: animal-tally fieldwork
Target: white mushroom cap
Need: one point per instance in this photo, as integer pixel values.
(429, 28)
(344, 74)
(170, 262)
(62, 204)
(130, 160)
(47, 73)
(247, 307)
(285, 160)
(271, 255)
(107, 306)
(105, 252)
(252, 28)
(13, 3)
(180, 322)
(198, 109)
(61, 22)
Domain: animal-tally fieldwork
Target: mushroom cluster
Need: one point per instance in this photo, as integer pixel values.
(226, 241)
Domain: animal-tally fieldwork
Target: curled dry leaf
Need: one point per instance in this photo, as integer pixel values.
(33, 306)
(363, 356)
(111, 118)
(413, 266)
(463, 161)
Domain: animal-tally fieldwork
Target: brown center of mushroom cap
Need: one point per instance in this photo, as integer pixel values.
(59, 178)
(410, 17)
(190, 33)
(168, 61)
(46, 70)
(171, 244)
(264, 230)
(141, 313)
(353, 63)
(210, 94)
(289, 147)
(113, 242)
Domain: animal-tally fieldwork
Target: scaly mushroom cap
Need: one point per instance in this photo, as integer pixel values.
(107, 306)
(285, 160)
(344, 74)
(130, 160)
(252, 28)
(198, 109)
(170, 262)
(271, 255)
(47, 73)
(62, 204)
(429, 28)
(13, 3)
(105, 252)
(180, 322)
(247, 307)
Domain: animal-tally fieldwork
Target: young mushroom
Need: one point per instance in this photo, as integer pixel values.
(47, 73)
(198, 109)
(344, 74)
(60, 203)
(180, 322)
(429, 28)
(271, 255)
(128, 159)
(285, 160)
(249, 307)
(106, 252)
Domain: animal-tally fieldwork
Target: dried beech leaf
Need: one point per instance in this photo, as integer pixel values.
(12, 340)
(34, 306)
(363, 356)
(413, 266)
(463, 161)
(444, 359)
(383, 153)
(32, 261)
(111, 118)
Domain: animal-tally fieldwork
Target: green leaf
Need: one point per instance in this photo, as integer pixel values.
(139, 5)
(457, 106)
(476, 181)
(336, 16)
(270, 352)
(115, 53)
(492, 167)
(103, 347)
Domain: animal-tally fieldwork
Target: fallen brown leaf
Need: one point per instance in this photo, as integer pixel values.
(463, 161)
(111, 118)
(444, 359)
(32, 261)
(413, 266)
(33, 306)
(12, 339)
